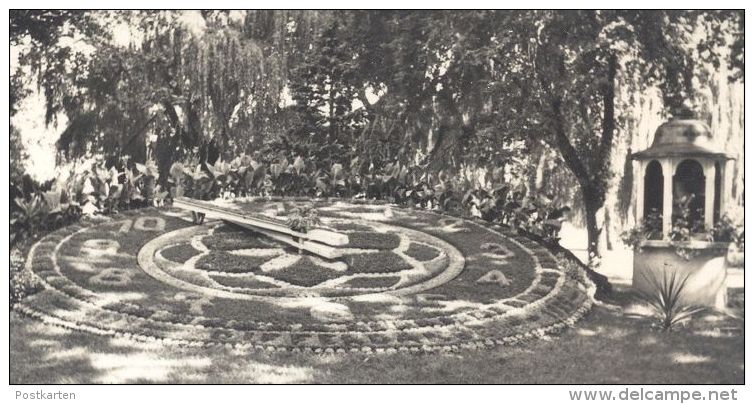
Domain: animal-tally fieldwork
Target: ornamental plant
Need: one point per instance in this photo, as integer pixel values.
(193, 181)
(85, 186)
(303, 218)
(648, 229)
(667, 309)
(22, 282)
(298, 173)
(727, 230)
(683, 230)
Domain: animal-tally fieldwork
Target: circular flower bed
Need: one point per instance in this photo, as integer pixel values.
(408, 280)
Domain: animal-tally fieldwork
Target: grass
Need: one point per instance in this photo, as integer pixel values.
(605, 347)
(466, 287)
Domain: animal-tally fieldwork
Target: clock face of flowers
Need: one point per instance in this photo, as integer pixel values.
(223, 260)
(406, 280)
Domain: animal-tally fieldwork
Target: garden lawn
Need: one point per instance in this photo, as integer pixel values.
(605, 347)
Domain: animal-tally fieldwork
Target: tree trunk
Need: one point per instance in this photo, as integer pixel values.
(591, 175)
(592, 204)
(608, 232)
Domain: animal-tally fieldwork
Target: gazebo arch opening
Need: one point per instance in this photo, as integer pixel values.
(718, 187)
(689, 195)
(653, 194)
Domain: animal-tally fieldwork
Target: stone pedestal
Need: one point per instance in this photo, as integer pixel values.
(706, 269)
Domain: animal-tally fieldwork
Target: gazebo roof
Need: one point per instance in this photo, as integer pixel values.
(682, 138)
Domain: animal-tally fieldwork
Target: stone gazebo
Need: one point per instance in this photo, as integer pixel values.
(682, 177)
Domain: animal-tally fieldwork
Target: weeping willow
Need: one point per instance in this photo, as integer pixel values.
(206, 81)
(224, 79)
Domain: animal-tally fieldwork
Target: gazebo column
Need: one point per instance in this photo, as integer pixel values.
(709, 194)
(668, 170)
(640, 192)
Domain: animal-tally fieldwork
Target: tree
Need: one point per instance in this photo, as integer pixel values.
(632, 50)
(565, 68)
(548, 76)
(199, 82)
(323, 86)
(576, 69)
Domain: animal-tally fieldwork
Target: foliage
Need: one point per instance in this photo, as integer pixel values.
(303, 218)
(90, 187)
(490, 198)
(193, 182)
(665, 299)
(323, 87)
(727, 230)
(22, 284)
(684, 230)
(101, 188)
(687, 226)
(685, 221)
(17, 153)
(28, 218)
(192, 80)
(549, 80)
(648, 229)
(571, 268)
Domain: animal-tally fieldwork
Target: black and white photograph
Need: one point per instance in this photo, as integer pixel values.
(377, 196)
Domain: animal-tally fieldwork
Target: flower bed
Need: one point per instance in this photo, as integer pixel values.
(179, 253)
(372, 240)
(220, 261)
(485, 286)
(305, 272)
(231, 238)
(422, 252)
(377, 262)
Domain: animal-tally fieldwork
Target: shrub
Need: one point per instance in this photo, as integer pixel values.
(83, 187)
(297, 172)
(665, 299)
(22, 282)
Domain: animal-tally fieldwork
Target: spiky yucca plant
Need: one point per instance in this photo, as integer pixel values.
(665, 301)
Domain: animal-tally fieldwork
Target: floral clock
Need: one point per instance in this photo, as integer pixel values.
(407, 280)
